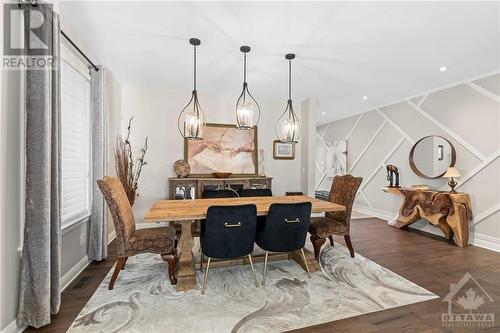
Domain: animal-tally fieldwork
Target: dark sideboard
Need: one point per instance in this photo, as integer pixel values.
(191, 188)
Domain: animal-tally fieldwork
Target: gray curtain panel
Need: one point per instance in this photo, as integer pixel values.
(39, 289)
(98, 236)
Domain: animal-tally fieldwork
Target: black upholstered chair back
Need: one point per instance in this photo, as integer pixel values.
(210, 194)
(229, 231)
(286, 227)
(255, 192)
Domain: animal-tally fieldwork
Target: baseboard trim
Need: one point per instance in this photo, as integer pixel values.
(381, 214)
(111, 236)
(485, 241)
(13, 328)
(67, 278)
(480, 240)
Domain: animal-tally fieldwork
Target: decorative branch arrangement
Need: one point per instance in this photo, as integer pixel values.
(128, 169)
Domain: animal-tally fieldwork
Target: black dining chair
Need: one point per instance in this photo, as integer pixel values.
(285, 230)
(228, 232)
(255, 192)
(214, 194)
(223, 193)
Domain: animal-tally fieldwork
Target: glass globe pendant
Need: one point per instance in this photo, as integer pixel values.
(288, 125)
(191, 122)
(247, 108)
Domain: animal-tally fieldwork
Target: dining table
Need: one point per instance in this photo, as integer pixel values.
(187, 211)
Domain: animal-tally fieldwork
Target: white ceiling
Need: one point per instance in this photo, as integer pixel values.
(345, 50)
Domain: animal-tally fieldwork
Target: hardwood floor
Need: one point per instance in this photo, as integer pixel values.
(428, 261)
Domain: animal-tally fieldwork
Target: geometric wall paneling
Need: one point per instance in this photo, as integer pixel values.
(486, 182)
(418, 100)
(340, 128)
(373, 191)
(320, 163)
(417, 124)
(478, 113)
(320, 130)
(490, 83)
(365, 130)
(489, 223)
(385, 136)
(362, 200)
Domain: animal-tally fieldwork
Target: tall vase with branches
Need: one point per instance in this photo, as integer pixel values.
(127, 167)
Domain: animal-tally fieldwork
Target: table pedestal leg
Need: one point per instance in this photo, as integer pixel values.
(312, 263)
(186, 277)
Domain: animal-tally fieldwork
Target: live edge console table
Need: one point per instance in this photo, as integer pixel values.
(451, 212)
(191, 188)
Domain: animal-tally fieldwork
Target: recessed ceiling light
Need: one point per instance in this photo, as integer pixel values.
(365, 98)
(323, 113)
(443, 69)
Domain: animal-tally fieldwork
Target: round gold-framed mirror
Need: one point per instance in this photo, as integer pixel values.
(431, 156)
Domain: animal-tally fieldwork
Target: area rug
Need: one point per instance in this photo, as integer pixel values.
(144, 301)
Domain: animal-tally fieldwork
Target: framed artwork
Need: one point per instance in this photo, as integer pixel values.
(283, 151)
(223, 149)
(336, 158)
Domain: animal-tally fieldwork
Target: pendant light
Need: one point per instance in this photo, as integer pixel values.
(191, 122)
(288, 126)
(247, 108)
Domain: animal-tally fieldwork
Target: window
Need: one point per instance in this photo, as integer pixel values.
(76, 140)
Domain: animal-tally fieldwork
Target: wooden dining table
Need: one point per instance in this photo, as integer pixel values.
(186, 211)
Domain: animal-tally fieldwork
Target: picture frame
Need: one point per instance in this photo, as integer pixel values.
(283, 150)
(224, 148)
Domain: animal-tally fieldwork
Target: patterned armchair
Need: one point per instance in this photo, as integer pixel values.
(343, 192)
(130, 241)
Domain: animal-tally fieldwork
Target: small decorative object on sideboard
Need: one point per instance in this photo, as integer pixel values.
(452, 173)
(283, 150)
(222, 174)
(392, 172)
(182, 168)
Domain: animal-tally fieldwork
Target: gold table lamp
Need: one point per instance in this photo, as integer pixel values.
(452, 173)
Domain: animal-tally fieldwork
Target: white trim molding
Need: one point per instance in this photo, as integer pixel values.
(448, 131)
(73, 273)
(111, 236)
(13, 328)
(483, 91)
(485, 241)
(490, 211)
(353, 127)
(365, 149)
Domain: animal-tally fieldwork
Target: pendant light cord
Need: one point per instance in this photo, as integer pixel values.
(289, 79)
(244, 67)
(194, 79)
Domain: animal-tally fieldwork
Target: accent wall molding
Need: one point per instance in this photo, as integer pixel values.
(395, 121)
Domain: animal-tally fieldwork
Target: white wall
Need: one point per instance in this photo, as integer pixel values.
(156, 112)
(467, 114)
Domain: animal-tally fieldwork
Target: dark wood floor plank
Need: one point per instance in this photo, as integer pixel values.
(426, 260)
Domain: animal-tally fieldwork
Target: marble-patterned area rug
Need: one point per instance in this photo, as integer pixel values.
(144, 301)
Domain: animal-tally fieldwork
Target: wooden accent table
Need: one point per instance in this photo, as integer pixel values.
(185, 211)
(451, 212)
